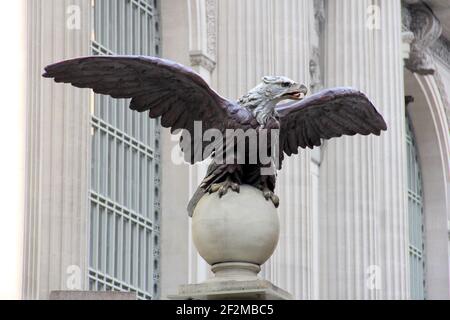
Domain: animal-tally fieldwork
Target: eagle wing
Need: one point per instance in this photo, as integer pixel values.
(328, 114)
(164, 88)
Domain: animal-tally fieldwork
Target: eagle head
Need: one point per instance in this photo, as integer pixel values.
(272, 90)
(278, 88)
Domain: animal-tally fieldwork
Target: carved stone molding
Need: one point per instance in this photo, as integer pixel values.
(443, 93)
(441, 50)
(407, 39)
(199, 59)
(211, 28)
(319, 15)
(203, 33)
(426, 28)
(315, 70)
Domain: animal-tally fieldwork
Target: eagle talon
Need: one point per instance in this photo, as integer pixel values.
(214, 188)
(275, 201)
(269, 195)
(223, 187)
(235, 187)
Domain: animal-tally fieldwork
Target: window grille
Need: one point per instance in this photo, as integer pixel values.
(125, 164)
(415, 216)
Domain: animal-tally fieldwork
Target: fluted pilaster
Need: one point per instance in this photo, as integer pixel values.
(363, 230)
(57, 163)
(202, 51)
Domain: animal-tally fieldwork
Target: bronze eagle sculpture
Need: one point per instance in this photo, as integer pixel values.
(181, 98)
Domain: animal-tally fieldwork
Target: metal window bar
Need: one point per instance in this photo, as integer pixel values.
(125, 178)
(415, 216)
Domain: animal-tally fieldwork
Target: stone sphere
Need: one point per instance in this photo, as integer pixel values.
(239, 227)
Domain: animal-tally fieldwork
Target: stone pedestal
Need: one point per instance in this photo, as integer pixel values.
(235, 234)
(257, 289)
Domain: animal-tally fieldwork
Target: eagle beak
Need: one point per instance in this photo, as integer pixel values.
(298, 93)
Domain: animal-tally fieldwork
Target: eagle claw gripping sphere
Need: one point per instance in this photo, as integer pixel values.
(236, 233)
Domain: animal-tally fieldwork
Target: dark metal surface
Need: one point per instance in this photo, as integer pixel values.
(180, 97)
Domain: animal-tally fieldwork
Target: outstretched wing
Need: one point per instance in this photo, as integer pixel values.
(164, 88)
(328, 114)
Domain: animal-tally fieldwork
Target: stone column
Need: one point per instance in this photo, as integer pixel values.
(202, 52)
(57, 157)
(363, 223)
(175, 236)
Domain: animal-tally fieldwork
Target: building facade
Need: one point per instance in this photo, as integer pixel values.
(119, 220)
(361, 217)
(352, 225)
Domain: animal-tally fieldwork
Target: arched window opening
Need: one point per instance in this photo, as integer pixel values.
(415, 217)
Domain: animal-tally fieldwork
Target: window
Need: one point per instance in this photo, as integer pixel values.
(125, 177)
(415, 216)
